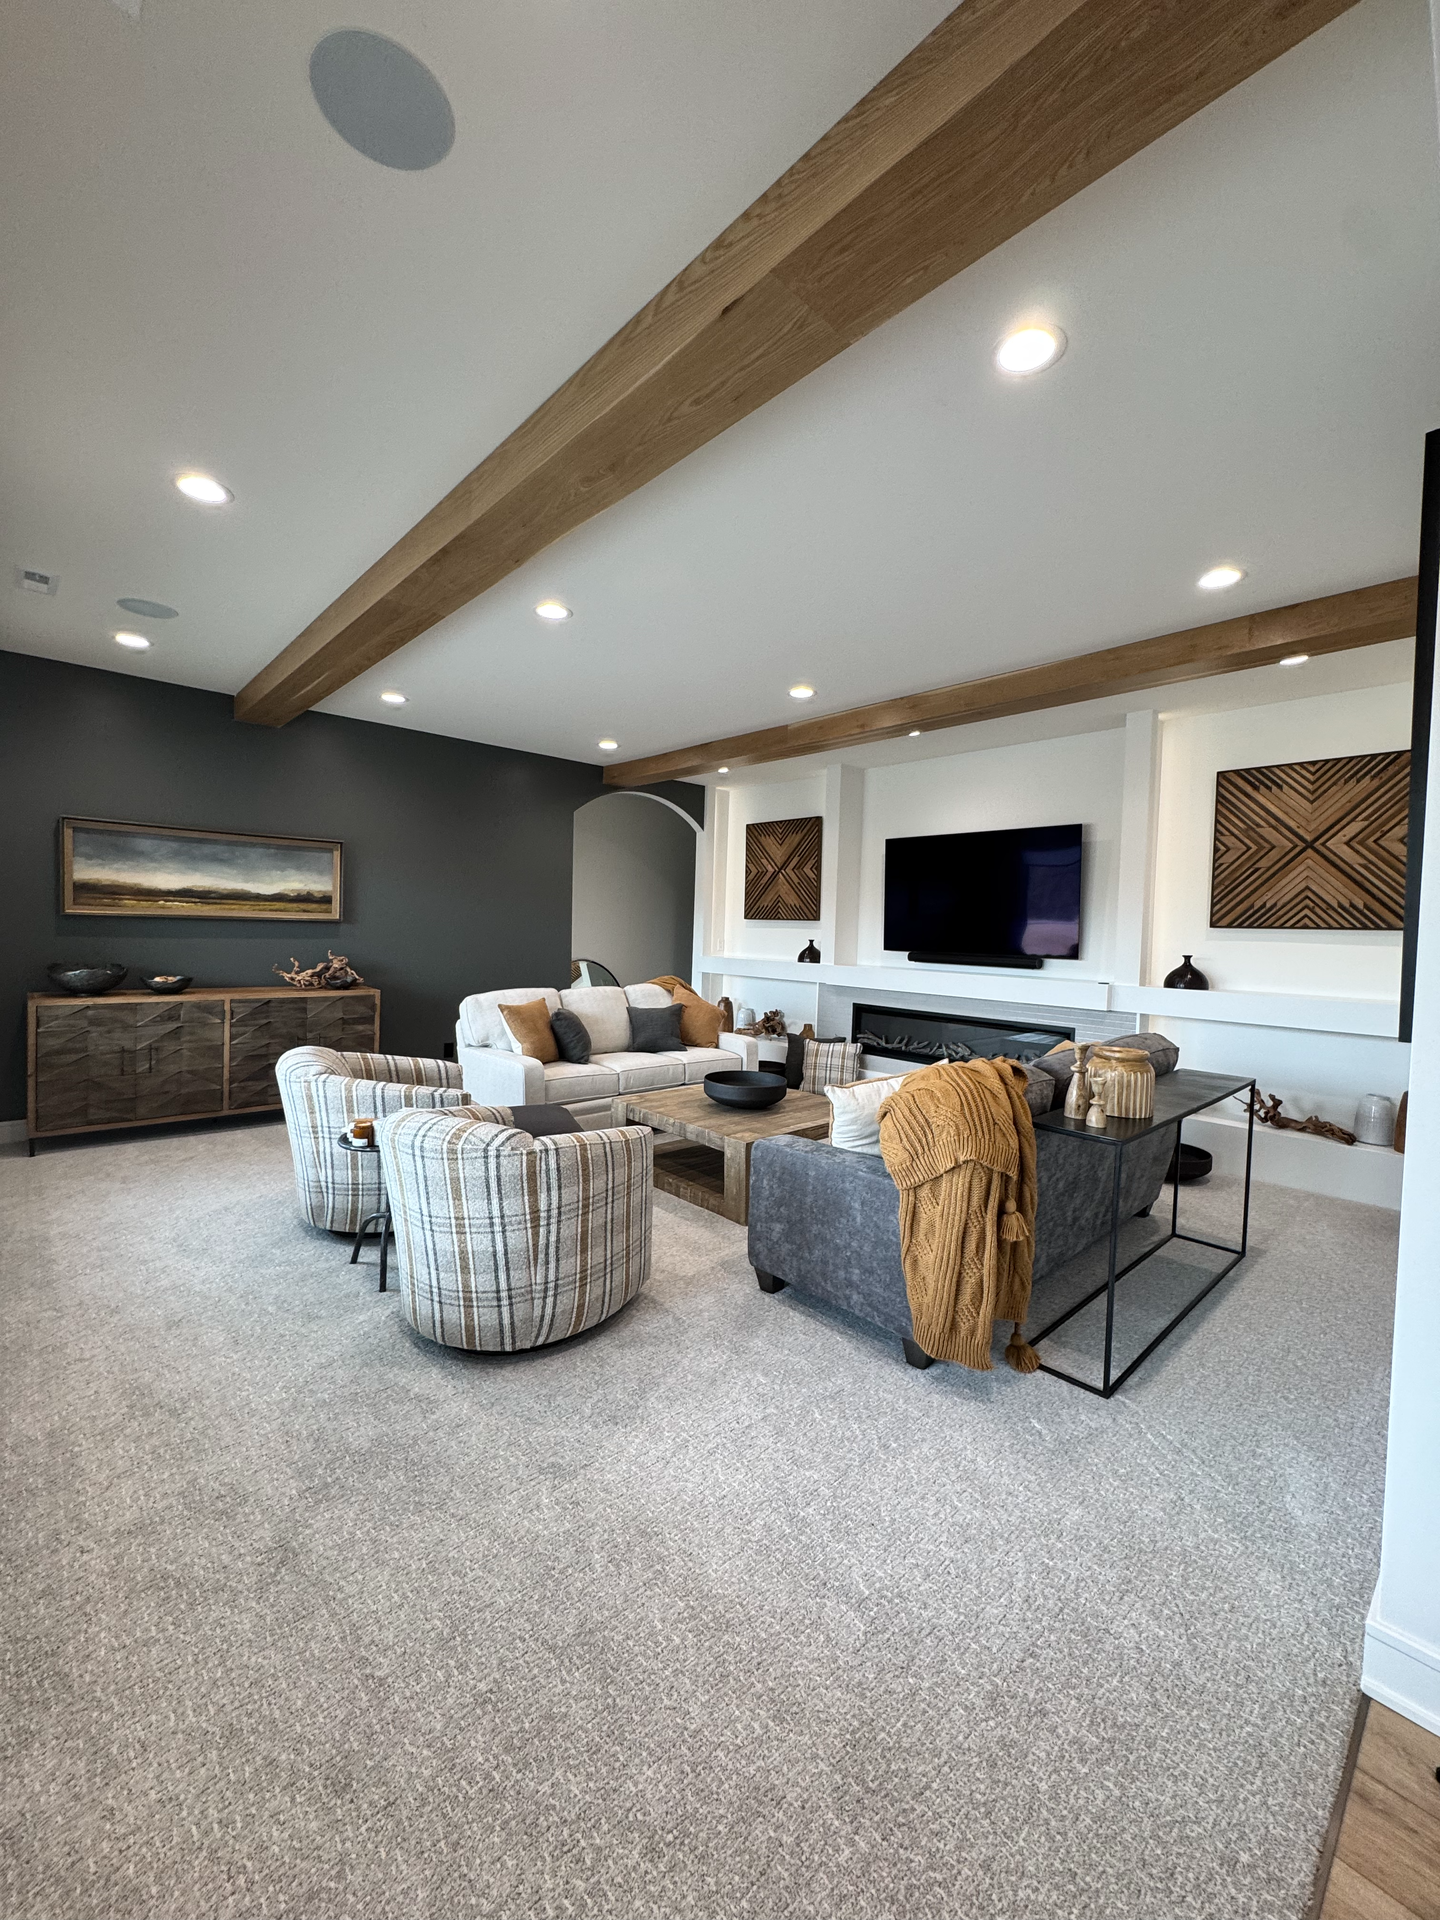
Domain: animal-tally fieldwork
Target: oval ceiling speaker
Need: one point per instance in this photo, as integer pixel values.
(148, 609)
(381, 100)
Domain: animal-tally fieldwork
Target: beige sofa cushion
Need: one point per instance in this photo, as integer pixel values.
(605, 1014)
(702, 1060)
(483, 1025)
(566, 1082)
(647, 994)
(645, 1072)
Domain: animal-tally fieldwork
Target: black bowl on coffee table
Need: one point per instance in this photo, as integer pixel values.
(87, 979)
(746, 1089)
(167, 982)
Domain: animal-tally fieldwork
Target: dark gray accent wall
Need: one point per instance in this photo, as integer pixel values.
(457, 856)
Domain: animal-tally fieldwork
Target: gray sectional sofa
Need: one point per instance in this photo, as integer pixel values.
(827, 1222)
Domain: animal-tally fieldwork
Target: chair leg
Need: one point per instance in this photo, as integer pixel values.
(917, 1356)
(768, 1282)
(384, 1248)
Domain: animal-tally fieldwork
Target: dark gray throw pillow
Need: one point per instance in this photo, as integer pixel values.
(572, 1038)
(655, 1029)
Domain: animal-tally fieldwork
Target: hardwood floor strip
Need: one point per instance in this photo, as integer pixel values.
(1315, 1910)
(1386, 1862)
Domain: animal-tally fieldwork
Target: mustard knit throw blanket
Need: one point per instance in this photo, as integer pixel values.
(960, 1145)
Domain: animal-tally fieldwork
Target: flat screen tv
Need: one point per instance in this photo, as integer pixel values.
(1001, 899)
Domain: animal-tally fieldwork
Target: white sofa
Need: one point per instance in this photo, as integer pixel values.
(496, 1073)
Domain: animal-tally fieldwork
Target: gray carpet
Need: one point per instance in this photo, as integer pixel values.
(721, 1610)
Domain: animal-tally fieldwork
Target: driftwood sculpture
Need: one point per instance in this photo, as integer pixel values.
(335, 971)
(1267, 1112)
(770, 1026)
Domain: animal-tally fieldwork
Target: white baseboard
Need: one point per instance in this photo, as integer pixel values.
(1402, 1672)
(1303, 1160)
(11, 1131)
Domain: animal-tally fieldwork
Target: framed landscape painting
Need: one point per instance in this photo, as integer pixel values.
(113, 867)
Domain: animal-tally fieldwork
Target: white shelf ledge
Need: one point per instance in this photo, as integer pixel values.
(1304, 1012)
(1312, 1013)
(1023, 985)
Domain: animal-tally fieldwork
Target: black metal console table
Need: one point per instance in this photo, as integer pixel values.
(1177, 1096)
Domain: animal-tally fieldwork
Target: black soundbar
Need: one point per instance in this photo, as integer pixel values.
(1027, 960)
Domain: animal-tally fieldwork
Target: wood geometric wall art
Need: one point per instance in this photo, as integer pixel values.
(782, 870)
(1317, 844)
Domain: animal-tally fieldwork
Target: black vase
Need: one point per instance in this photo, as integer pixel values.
(1189, 976)
(809, 952)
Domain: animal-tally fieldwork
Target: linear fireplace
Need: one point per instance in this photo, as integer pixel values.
(920, 1039)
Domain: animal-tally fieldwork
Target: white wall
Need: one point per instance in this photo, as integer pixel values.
(1194, 748)
(782, 800)
(1402, 1637)
(1041, 783)
(633, 898)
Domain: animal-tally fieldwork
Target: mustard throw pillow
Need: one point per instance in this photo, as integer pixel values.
(530, 1024)
(700, 1022)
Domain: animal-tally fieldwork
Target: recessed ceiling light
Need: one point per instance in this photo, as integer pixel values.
(147, 609)
(802, 692)
(607, 746)
(135, 640)
(553, 610)
(393, 699)
(1217, 577)
(722, 769)
(1294, 659)
(914, 734)
(204, 490)
(1030, 350)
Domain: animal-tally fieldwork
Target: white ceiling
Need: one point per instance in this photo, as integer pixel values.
(198, 272)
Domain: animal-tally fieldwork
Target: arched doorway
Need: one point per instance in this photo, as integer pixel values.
(633, 892)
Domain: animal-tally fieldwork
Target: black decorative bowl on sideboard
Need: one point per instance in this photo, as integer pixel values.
(746, 1089)
(168, 982)
(87, 979)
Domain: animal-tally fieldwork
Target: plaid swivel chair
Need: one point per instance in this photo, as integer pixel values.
(504, 1241)
(322, 1091)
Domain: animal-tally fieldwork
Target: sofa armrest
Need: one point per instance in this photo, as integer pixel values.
(828, 1222)
(744, 1046)
(498, 1078)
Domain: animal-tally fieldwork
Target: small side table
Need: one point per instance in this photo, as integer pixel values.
(380, 1219)
(1177, 1096)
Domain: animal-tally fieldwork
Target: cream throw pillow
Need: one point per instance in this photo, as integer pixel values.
(855, 1113)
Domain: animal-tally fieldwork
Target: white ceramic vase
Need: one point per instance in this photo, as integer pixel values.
(1375, 1120)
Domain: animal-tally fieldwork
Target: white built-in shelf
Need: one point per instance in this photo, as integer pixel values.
(1305, 1012)
(1037, 988)
(1311, 1012)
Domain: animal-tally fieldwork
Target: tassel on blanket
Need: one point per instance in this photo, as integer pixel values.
(1020, 1354)
(1012, 1227)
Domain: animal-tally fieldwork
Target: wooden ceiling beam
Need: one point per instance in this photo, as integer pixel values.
(1340, 622)
(1002, 113)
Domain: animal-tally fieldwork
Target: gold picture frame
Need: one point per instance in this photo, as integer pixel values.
(120, 868)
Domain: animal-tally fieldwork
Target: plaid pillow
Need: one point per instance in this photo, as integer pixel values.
(829, 1063)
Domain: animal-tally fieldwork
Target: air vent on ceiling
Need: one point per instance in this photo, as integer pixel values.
(34, 581)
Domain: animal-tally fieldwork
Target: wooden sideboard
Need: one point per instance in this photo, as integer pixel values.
(135, 1059)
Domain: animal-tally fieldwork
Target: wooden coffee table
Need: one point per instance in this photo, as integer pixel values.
(703, 1154)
